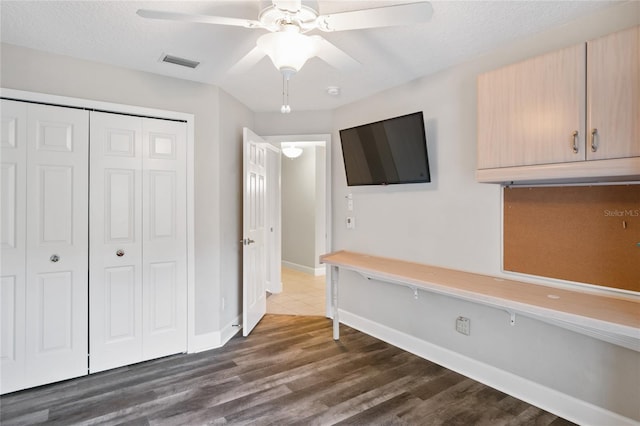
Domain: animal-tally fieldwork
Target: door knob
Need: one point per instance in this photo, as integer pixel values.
(54, 258)
(120, 253)
(247, 241)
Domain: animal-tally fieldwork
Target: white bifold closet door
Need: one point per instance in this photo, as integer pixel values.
(138, 278)
(44, 197)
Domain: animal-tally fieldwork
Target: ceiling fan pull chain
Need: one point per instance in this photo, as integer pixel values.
(288, 107)
(282, 109)
(285, 108)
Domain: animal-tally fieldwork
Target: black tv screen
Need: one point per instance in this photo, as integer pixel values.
(386, 152)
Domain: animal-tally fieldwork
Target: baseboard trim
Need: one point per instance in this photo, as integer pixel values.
(548, 399)
(306, 269)
(204, 342)
(215, 339)
(230, 330)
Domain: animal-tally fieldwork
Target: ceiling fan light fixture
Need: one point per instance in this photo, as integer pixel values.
(291, 151)
(288, 50)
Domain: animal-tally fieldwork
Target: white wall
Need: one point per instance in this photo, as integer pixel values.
(235, 116)
(295, 123)
(298, 186)
(218, 122)
(455, 222)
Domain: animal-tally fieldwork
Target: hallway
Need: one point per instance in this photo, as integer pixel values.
(302, 294)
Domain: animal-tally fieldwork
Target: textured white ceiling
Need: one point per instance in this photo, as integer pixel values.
(111, 32)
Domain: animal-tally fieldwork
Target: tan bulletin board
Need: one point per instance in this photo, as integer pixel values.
(588, 234)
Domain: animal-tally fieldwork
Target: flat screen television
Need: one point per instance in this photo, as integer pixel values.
(386, 152)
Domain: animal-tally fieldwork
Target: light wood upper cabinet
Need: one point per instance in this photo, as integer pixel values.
(613, 95)
(572, 113)
(528, 112)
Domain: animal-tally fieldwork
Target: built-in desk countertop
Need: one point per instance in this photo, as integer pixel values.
(607, 316)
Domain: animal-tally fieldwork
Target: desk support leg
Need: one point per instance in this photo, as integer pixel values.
(334, 302)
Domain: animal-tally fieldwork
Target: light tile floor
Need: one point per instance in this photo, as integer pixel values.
(302, 294)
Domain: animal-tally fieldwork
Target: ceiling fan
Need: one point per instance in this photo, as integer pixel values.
(288, 21)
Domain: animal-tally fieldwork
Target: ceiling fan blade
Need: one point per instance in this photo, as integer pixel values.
(249, 60)
(335, 57)
(202, 19)
(402, 14)
(288, 5)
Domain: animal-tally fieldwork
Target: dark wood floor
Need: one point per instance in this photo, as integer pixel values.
(289, 371)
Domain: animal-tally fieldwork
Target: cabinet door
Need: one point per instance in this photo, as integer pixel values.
(613, 95)
(529, 112)
(57, 243)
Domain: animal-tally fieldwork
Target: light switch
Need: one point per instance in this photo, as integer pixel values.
(351, 222)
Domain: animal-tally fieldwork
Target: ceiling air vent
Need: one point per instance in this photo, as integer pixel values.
(180, 61)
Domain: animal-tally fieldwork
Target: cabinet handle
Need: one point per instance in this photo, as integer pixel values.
(120, 253)
(54, 258)
(574, 144)
(594, 142)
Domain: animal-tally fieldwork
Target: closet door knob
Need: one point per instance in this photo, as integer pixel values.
(54, 258)
(120, 253)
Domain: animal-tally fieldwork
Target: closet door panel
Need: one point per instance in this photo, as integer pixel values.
(120, 304)
(162, 289)
(162, 205)
(116, 246)
(164, 238)
(53, 294)
(13, 192)
(8, 293)
(57, 243)
(55, 205)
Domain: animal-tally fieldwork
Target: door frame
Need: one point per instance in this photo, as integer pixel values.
(70, 102)
(274, 218)
(312, 139)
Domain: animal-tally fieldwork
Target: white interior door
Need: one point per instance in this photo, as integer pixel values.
(115, 297)
(254, 296)
(57, 244)
(13, 192)
(164, 238)
(44, 244)
(138, 304)
(138, 298)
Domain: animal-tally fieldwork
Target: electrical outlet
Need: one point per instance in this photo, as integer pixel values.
(463, 325)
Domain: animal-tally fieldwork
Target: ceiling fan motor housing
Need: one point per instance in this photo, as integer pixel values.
(275, 14)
